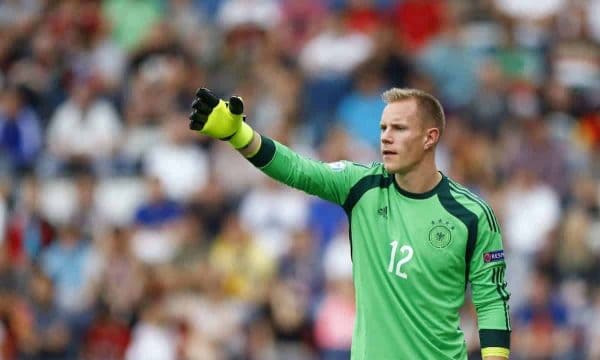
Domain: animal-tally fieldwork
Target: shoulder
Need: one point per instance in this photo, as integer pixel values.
(358, 172)
(475, 204)
(374, 167)
(370, 175)
(365, 178)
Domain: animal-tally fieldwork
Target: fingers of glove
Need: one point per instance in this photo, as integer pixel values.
(197, 120)
(202, 107)
(207, 97)
(236, 105)
(196, 125)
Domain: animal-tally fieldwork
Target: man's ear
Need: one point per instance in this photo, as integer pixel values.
(432, 137)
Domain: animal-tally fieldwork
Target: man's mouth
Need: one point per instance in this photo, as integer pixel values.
(388, 152)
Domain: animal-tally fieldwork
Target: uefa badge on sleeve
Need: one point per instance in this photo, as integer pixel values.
(493, 256)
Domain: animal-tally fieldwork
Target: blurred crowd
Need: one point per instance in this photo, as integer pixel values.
(127, 236)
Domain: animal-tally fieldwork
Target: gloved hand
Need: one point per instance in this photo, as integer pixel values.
(219, 119)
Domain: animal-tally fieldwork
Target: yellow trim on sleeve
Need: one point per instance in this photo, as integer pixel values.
(495, 351)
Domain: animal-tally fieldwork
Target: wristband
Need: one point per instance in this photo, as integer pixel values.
(242, 137)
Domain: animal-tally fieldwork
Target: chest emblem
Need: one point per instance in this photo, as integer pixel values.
(383, 212)
(440, 233)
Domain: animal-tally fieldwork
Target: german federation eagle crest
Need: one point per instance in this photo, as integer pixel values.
(440, 233)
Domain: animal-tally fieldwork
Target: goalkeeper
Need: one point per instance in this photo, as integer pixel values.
(417, 237)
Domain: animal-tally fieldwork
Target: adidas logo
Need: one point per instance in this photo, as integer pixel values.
(383, 211)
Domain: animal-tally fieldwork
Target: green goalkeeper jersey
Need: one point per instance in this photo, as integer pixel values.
(412, 256)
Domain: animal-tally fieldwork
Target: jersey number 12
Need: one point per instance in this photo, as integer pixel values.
(407, 254)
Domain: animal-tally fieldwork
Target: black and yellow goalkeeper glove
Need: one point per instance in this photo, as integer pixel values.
(220, 119)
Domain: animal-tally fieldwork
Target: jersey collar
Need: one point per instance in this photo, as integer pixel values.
(424, 195)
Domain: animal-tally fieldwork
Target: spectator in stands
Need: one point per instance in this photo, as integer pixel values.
(20, 130)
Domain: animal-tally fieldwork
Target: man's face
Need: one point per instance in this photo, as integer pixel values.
(402, 136)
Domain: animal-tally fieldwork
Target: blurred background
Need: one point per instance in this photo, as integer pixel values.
(127, 236)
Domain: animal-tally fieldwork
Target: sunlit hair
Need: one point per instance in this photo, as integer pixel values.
(428, 106)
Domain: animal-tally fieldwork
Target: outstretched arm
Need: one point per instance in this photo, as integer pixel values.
(224, 120)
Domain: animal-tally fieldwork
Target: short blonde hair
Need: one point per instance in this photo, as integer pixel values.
(428, 106)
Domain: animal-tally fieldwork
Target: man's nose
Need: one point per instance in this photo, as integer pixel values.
(385, 137)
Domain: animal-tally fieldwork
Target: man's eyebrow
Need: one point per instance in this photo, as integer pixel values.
(393, 122)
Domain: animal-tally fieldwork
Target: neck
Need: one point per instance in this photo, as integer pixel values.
(419, 180)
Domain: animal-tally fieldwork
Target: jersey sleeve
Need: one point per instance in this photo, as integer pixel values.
(489, 288)
(329, 181)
